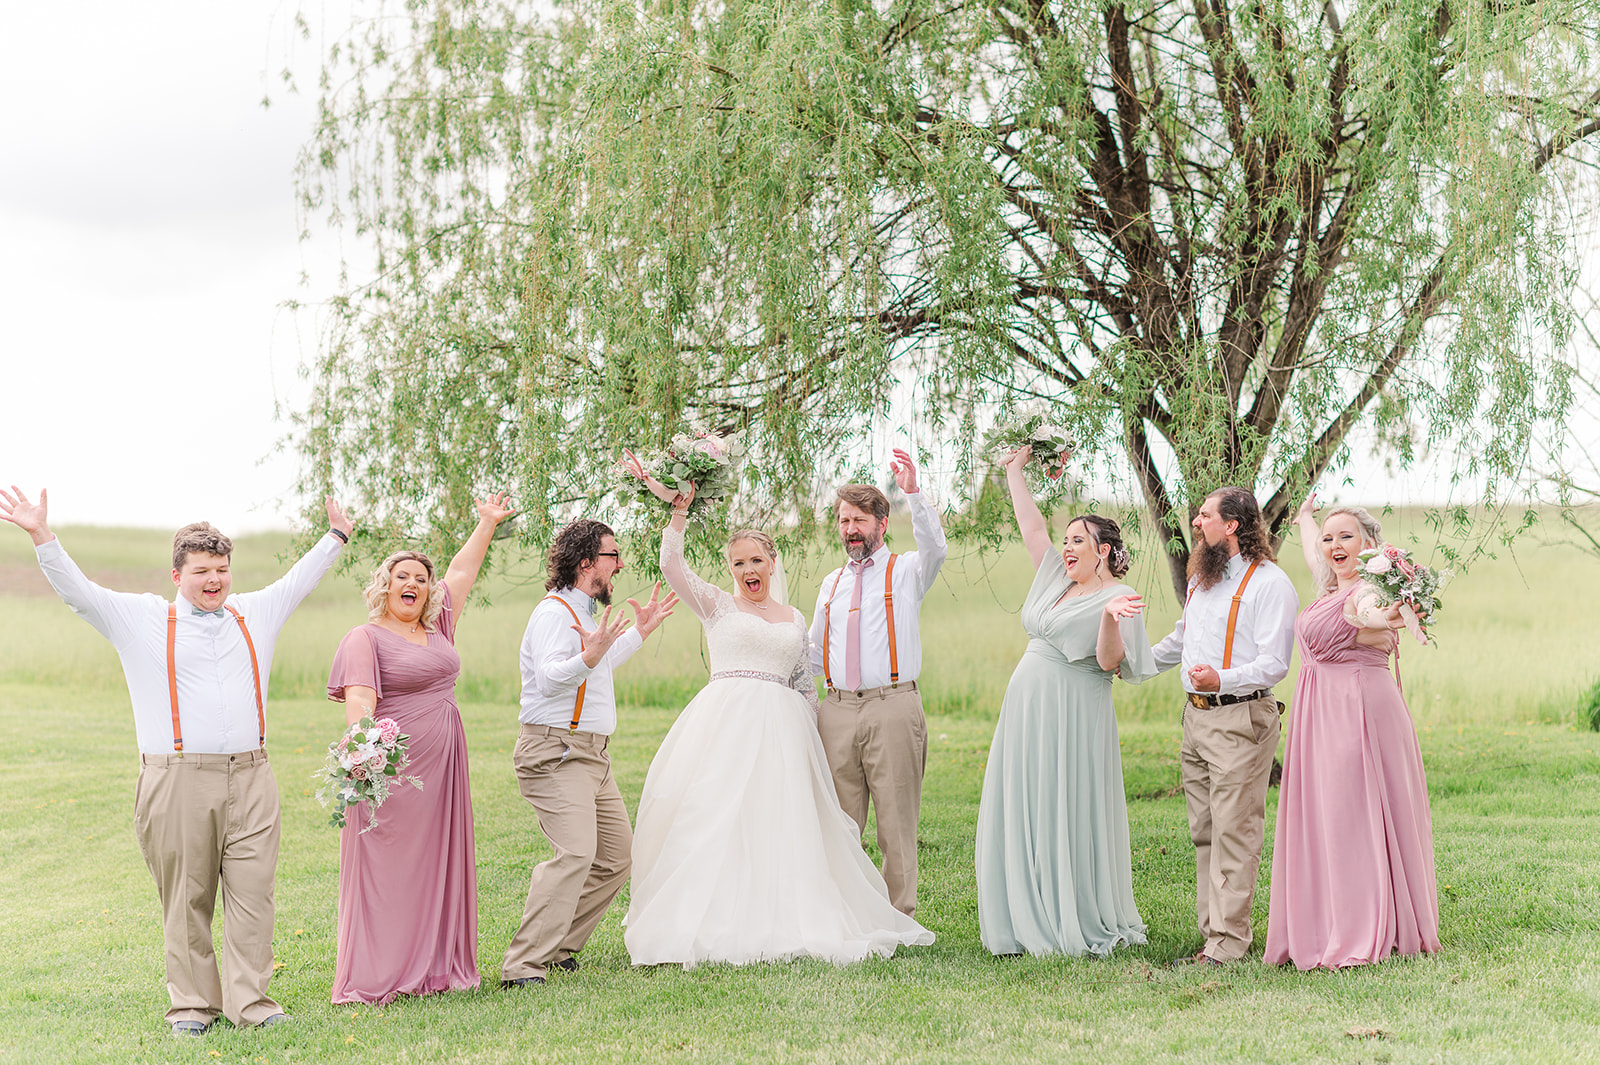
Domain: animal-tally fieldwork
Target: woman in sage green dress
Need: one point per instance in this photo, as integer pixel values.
(1054, 863)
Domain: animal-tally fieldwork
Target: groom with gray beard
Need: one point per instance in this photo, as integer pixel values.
(866, 644)
(1234, 640)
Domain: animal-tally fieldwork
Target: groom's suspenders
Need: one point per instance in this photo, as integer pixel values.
(172, 673)
(888, 608)
(577, 710)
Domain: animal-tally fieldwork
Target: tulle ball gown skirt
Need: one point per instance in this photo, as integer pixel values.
(742, 853)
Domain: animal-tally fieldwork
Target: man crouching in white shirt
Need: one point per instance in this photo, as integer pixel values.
(569, 711)
(206, 808)
(1234, 640)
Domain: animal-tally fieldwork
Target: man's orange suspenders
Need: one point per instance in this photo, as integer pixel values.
(1233, 613)
(577, 710)
(172, 673)
(888, 607)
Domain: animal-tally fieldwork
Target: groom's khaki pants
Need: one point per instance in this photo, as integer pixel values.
(877, 746)
(1226, 759)
(205, 820)
(567, 778)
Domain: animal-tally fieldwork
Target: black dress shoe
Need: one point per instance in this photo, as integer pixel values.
(569, 963)
(188, 1028)
(523, 981)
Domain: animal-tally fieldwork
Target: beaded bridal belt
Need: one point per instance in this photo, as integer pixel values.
(752, 674)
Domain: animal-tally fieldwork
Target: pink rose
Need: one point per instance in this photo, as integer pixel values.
(1378, 565)
(1391, 551)
(390, 727)
(1407, 568)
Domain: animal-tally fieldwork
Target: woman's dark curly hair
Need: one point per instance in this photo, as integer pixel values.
(1108, 533)
(576, 544)
(1236, 504)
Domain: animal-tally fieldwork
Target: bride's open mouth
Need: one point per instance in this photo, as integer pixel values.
(753, 586)
(1338, 556)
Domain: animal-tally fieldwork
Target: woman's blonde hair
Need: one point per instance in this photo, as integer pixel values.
(377, 590)
(1371, 536)
(757, 536)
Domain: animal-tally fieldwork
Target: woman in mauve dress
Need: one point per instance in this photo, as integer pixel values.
(1352, 862)
(408, 888)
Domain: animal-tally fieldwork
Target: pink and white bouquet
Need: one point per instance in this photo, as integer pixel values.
(362, 766)
(1052, 445)
(1396, 578)
(705, 460)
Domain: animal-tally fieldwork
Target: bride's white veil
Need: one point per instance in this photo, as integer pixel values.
(780, 583)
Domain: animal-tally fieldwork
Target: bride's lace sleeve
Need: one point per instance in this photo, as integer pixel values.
(801, 679)
(701, 596)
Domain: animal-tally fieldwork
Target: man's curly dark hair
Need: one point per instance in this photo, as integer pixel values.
(576, 544)
(1237, 504)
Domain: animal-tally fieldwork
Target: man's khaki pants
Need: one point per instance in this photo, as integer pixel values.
(567, 778)
(204, 820)
(877, 746)
(1226, 759)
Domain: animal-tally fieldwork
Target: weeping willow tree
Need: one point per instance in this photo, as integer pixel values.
(1214, 236)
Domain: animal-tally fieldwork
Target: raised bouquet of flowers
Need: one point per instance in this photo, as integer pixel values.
(698, 458)
(1397, 579)
(362, 766)
(1052, 445)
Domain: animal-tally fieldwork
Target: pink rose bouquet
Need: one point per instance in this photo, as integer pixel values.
(1398, 578)
(707, 461)
(362, 765)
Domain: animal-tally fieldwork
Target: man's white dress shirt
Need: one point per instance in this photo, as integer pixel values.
(914, 574)
(553, 667)
(1263, 638)
(216, 686)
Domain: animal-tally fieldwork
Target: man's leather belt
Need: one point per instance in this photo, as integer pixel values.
(1204, 701)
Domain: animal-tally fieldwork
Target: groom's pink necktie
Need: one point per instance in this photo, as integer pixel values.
(852, 630)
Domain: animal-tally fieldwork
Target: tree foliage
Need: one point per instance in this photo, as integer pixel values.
(1213, 235)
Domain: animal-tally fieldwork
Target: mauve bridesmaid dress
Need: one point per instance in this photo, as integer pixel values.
(408, 889)
(1352, 864)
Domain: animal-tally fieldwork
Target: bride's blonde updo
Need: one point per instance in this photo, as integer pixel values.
(757, 536)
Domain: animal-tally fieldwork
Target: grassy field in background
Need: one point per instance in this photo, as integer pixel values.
(1514, 780)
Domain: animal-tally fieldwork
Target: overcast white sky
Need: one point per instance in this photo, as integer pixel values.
(150, 236)
(148, 222)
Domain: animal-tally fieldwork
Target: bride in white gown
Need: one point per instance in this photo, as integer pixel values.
(741, 852)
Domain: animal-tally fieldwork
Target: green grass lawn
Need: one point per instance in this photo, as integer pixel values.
(1515, 786)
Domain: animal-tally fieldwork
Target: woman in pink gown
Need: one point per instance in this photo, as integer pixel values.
(408, 888)
(1352, 862)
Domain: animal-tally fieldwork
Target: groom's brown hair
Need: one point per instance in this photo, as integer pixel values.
(863, 497)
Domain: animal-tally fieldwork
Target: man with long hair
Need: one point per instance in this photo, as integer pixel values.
(1234, 640)
(569, 711)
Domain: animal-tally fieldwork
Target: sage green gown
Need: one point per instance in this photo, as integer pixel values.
(1054, 864)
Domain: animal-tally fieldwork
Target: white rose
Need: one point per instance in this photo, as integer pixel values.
(372, 735)
(1379, 565)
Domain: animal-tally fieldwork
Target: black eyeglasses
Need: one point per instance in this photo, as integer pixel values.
(609, 554)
